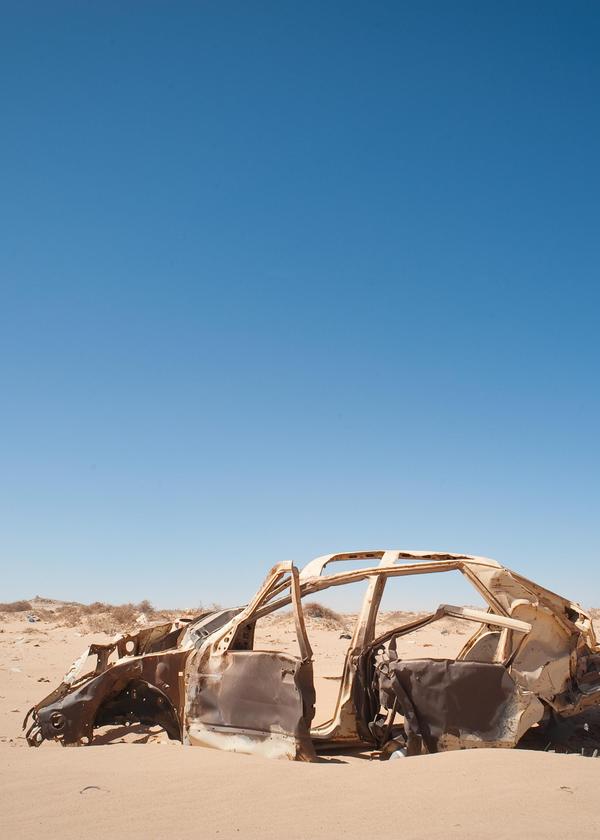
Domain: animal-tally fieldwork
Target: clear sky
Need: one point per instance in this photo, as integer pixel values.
(285, 278)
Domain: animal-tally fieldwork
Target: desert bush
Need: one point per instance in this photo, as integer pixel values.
(69, 615)
(315, 610)
(102, 623)
(44, 614)
(15, 606)
(124, 614)
(95, 607)
(145, 607)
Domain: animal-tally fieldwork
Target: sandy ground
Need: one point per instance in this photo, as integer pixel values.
(140, 785)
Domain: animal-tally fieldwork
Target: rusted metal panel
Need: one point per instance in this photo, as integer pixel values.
(144, 690)
(252, 701)
(457, 704)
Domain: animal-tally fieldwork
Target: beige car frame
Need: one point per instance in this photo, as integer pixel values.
(532, 663)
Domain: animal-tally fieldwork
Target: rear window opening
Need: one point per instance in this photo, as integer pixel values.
(409, 597)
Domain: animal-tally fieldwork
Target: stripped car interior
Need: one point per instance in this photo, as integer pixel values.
(528, 676)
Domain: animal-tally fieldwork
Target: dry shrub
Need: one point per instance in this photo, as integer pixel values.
(44, 614)
(15, 606)
(102, 623)
(94, 607)
(110, 619)
(315, 610)
(145, 607)
(98, 617)
(124, 614)
(70, 615)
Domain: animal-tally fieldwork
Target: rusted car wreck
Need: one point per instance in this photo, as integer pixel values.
(529, 674)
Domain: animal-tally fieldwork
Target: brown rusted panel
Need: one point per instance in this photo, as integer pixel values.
(256, 694)
(145, 690)
(448, 702)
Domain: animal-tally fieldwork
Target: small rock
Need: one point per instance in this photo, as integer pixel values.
(345, 636)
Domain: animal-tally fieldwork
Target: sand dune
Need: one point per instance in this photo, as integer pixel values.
(156, 789)
(172, 791)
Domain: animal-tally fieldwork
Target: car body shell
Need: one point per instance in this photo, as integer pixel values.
(531, 664)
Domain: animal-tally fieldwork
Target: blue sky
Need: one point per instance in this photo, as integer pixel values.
(280, 279)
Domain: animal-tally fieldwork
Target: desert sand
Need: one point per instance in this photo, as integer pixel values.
(138, 784)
